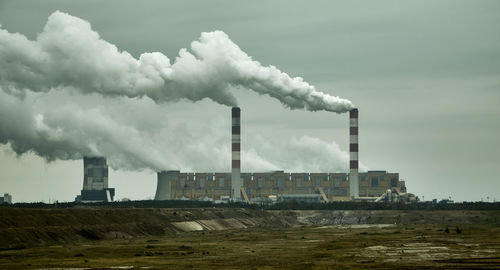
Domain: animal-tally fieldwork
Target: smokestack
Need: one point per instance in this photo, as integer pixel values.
(235, 147)
(353, 148)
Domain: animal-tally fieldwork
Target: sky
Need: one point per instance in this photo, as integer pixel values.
(424, 75)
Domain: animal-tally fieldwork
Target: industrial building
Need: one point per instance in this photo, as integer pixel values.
(95, 181)
(329, 186)
(279, 185)
(7, 198)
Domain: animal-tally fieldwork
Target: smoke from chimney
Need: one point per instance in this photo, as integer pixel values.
(42, 109)
(68, 53)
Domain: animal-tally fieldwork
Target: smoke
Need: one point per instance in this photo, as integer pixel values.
(303, 154)
(125, 131)
(51, 103)
(68, 53)
(60, 125)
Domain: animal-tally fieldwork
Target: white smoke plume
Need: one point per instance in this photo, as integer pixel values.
(128, 132)
(51, 102)
(302, 154)
(68, 53)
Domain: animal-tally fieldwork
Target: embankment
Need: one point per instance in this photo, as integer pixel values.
(20, 228)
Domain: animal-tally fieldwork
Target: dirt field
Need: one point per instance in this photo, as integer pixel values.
(249, 239)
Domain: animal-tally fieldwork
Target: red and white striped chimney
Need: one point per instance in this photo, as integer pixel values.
(353, 148)
(236, 183)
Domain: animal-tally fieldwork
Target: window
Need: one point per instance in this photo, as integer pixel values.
(202, 181)
(374, 181)
(317, 181)
(298, 182)
(221, 182)
(259, 182)
(394, 182)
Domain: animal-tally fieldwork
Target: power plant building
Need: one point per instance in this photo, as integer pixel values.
(95, 181)
(330, 186)
(279, 184)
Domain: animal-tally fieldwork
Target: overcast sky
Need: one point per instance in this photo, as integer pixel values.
(425, 76)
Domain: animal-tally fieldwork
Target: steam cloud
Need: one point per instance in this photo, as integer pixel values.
(127, 131)
(42, 108)
(69, 53)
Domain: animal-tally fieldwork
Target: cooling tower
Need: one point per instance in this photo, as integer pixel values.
(95, 173)
(236, 182)
(353, 149)
(95, 181)
(163, 188)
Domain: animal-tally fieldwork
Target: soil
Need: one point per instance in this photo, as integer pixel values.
(159, 238)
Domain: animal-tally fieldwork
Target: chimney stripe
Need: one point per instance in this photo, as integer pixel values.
(236, 130)
(353, 147)
(236, 147)
(354, 130)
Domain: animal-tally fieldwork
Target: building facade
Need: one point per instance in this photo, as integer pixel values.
(331, 186)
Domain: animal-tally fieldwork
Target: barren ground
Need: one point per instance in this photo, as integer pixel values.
(251, 239)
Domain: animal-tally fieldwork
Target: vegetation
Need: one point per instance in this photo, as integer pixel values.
(393, 247)
(291, 205)
(137, 235)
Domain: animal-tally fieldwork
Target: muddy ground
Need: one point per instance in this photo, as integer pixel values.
(103, 238)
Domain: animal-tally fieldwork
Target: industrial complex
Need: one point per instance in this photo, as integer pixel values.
(280, 185)
(285, 186)
(259, 186)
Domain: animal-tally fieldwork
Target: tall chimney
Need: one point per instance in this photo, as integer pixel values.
(235, 147)
(353, 148)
